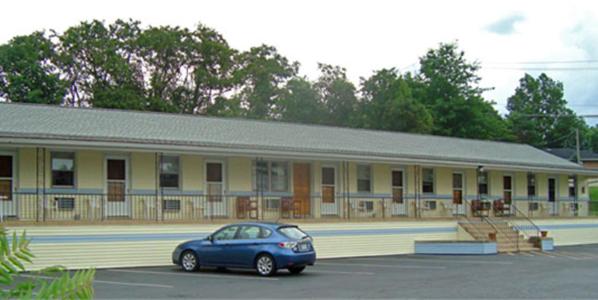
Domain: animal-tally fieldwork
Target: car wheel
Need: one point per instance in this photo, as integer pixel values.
(296, 270)
(265, 265)
(189, 261)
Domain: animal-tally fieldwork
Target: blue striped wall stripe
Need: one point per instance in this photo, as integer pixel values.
(315, 233)
(183, 236)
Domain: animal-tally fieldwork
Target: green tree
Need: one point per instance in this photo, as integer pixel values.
(387, 103)
(449, 86)
(300, 102)
(28, 72)
(538, 113)
(263, 73)
(15, 253)
(338, 96)
(189, 70)
(100, 65)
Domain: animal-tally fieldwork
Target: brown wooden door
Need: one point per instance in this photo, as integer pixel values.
(301, 188)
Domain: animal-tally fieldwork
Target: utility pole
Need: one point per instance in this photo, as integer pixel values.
(577, 146)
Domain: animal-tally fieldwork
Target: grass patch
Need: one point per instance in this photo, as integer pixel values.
(594, 193)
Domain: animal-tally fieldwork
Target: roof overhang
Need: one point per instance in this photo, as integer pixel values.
(222, 150)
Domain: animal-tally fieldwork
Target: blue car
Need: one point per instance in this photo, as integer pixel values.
(265, 247)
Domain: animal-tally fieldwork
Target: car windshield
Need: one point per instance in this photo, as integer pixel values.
(292, 232)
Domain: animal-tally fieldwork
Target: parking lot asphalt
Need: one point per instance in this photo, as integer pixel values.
(567, 272)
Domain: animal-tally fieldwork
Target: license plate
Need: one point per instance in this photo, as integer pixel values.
(303, 247)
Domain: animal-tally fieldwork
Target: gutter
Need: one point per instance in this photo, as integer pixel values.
(277, 152)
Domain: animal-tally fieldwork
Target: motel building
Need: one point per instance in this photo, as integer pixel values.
(95, 187)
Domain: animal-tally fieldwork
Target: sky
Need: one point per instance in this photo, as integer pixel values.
(508, 38)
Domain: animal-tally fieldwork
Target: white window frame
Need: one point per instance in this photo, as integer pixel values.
(403, 182)
(179, 173)
(527, 185)
(433, 181)
(268, 188)
(74, 185)
(206, 182)
(512, 190)
(371, 179)
(13, 178)
(462, 186)
(478, 175)
(335, 185)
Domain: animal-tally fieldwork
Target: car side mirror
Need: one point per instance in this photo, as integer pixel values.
(210, 238)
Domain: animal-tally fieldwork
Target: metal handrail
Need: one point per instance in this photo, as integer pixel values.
(527, 218)
(489, 221)
(469, 221)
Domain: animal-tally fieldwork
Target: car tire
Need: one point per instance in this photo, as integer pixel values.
(189, 261)
(296, 270)
(265, 265)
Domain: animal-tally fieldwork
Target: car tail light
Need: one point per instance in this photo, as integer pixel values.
(288, 245)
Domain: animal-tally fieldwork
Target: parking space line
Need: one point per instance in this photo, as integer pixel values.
(510, 254)
(545, 254)
(526, 254)
(339, 272)
(579, 255)
(563, 255)
(384, 266)
(248, 277)
(432, 260)
(109, 282)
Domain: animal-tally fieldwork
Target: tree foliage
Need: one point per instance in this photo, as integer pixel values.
(538, 113)
(388, 103)
(449, 86)
(50, 283)
(28, 72)
(195, 71)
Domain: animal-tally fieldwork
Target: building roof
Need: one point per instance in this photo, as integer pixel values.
(570, 154)
(27, 123)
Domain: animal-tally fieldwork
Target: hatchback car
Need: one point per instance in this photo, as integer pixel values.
(265, 247)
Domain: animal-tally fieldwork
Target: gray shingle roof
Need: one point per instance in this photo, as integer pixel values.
(78, 124)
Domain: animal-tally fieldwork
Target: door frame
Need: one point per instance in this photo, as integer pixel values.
(124, 157)
(209, 209)
(554, 205)
(309, 182)
(459, 209)
(13, 187)
(336, 202)
(404, 205)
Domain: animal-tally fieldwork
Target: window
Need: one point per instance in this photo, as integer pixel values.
(397, 186)
(507, 186)
(328, 184)
(531, 185)
(249, 233)
(6, 178)
(428, 181)
(63, 169)
(279, 172)
(572, 186)
(457, 188)
(483, 183)
(364, 179)
(227, 233)
(292, 232)
(169, 172)
(214, 181)
(271, 176)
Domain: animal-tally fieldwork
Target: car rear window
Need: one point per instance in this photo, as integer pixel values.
(292, 232)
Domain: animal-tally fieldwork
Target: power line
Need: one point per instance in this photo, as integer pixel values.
(543, 69)
(546, 62)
